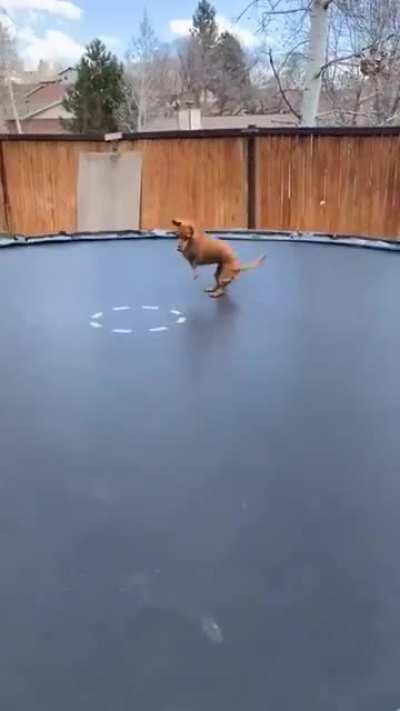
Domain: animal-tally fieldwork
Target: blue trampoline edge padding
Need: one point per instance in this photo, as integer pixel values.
(7, 240)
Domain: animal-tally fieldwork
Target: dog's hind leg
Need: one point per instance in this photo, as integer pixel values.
(212, 289)
(226, 275)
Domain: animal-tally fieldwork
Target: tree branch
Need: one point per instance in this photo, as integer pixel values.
(293, 11)
(346, 58)
(281, 89)
(273, 13)
(246, 9)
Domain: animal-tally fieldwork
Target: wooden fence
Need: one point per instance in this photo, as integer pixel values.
(327, 180)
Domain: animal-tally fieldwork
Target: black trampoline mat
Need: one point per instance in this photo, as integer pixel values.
(203, 517)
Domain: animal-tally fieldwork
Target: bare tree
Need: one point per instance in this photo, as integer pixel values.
(197, 55)
(8, 63)
(140, 69)
(348, 47)
(302, 27)
(231, 86)
(317, 52)
(363, 86)
(276, 81)
(152, 76)
(192, 71)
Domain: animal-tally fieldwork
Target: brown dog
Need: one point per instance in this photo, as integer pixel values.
(199, 250)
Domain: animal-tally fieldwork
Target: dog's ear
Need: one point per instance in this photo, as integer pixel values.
(186, 228)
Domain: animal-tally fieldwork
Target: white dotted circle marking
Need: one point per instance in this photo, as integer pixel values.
(97, 319)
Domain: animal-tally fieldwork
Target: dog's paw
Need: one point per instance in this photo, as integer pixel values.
(217, 293)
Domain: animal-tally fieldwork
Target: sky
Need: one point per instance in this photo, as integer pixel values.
(57, 30)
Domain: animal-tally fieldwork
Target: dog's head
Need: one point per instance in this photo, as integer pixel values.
(185, 232)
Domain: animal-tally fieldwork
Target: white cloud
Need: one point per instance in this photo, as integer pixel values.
(53, 46)
(66, 9)
(181, 28)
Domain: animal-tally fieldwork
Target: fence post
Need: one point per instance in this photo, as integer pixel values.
(251, 177)
(4, 190)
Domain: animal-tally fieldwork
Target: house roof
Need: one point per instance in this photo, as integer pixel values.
(41, 85)
(33, 99)
(42, 109)
(38, 125)
(226, 122)
(19, 91)
(245, 120)
(45, 95)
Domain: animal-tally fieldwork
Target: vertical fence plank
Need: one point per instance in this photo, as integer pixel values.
(4, 198)
(341, 184)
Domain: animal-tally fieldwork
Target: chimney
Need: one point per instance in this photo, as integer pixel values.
(189, 119)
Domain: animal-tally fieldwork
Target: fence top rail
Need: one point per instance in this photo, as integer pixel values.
(250, 131)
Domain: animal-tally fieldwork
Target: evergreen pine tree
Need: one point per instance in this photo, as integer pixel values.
(205, 26)
(203, 43)
(97, 98)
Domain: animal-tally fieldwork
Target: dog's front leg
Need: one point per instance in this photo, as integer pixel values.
(194, 269)
(193, 264)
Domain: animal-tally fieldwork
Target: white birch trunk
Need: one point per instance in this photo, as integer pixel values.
(140, 118)
(144, 84)
(319, 25)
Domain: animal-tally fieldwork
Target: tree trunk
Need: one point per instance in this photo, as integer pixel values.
(13, 105)
(141, 116)
(318, 39)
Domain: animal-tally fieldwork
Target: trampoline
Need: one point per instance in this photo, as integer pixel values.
(199, 500)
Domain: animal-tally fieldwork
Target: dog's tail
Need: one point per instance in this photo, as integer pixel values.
(253, 265)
